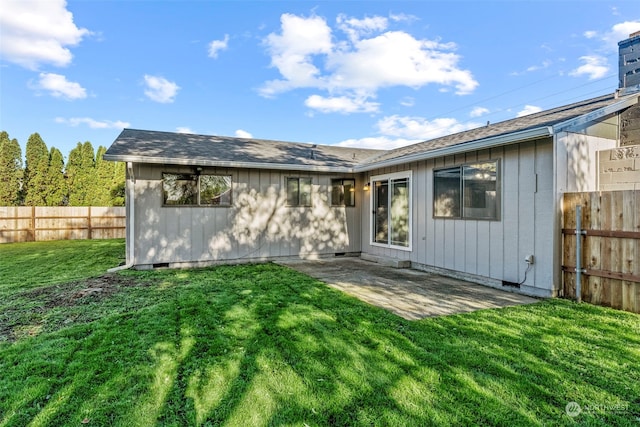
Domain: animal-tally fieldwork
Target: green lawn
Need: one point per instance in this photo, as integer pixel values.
(258, 345)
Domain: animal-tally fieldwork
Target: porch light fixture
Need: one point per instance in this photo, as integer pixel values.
(366, 187)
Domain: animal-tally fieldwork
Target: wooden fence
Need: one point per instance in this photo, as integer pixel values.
(610, 240)
(31, 223)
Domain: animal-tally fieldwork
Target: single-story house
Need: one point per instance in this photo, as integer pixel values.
(483, 205)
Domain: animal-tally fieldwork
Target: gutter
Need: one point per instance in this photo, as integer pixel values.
(481, 144)
(227, 164)
(132, 221)
(596, 114)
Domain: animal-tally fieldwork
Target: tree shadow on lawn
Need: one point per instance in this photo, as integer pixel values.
(254, 346)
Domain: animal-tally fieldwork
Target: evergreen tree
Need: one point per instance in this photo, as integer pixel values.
(10, 170)
(110, 177)
(56, 186)
(35, 175)
(81, 175)
(104, 177)
(118, 184)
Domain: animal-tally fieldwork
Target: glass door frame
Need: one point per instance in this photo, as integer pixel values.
(389, 178)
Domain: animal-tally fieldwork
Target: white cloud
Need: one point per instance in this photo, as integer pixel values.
(403, 17)
(398, 131)
(307, 54)
(379, 142)
(341, 104)
(38, 32)
(407, 101)
(184, 129)
(420, 128)
(545, 64)
(291, 52)
(528, 109)
(356, 28)
(160, 89)
(396, 58)
(478, 111)
(93, 124)
(217, 45)
(243, 134)
(59, 87)
(590, 34)
(618, 33)
(594, 67)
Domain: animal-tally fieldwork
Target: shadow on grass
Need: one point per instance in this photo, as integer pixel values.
(263, 345)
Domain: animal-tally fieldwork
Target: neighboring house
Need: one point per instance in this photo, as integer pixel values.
(475, 204)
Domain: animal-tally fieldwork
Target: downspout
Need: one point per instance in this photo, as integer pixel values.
(558, 211)
(131, 217)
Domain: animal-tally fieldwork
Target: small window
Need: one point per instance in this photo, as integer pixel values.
(343, 192)
(215, 190)
(196, 190)
(298, 191)
(469, 191)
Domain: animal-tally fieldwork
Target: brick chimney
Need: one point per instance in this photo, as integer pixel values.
(629, 64)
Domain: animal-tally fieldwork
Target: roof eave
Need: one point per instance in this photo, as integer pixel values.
(480, 144)
(596, 114)
(227, 164)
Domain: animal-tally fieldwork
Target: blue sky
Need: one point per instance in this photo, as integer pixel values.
(377, 74)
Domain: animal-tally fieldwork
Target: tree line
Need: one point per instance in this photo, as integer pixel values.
(46, 180)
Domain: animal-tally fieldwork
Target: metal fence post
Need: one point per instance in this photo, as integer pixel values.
(578, 253)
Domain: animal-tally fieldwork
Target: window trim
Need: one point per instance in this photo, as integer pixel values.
(460, 167)
(198, 191)
(408, 174)
(286, 188)
(353, 190)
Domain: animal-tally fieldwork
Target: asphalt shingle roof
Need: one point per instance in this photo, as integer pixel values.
(203, 150)
(532, 121)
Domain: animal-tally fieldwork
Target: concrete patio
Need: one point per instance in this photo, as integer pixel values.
(411, 294)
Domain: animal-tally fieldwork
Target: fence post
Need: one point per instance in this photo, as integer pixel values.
(89, 223)
(33, 223)
(579, 253)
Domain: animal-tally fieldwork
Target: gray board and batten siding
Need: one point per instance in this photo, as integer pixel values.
(258, 225)
(484, 251)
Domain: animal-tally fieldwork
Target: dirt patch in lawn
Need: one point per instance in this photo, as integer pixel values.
(74, 293)
(52, 307)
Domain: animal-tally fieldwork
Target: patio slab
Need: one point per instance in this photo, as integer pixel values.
(411, 294)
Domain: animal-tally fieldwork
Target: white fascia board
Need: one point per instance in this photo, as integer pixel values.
(225, 164)
(596, 114)
(480, 144)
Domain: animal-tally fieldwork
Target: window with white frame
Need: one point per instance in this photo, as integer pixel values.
(391, 201)
(470, 191)
(180, 189)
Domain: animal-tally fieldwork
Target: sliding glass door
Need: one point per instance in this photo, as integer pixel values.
(391, 201)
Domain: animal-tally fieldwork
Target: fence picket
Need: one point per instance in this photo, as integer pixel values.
(611, 258)
(24, 224)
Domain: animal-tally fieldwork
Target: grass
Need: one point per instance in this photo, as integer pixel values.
(264, 345)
